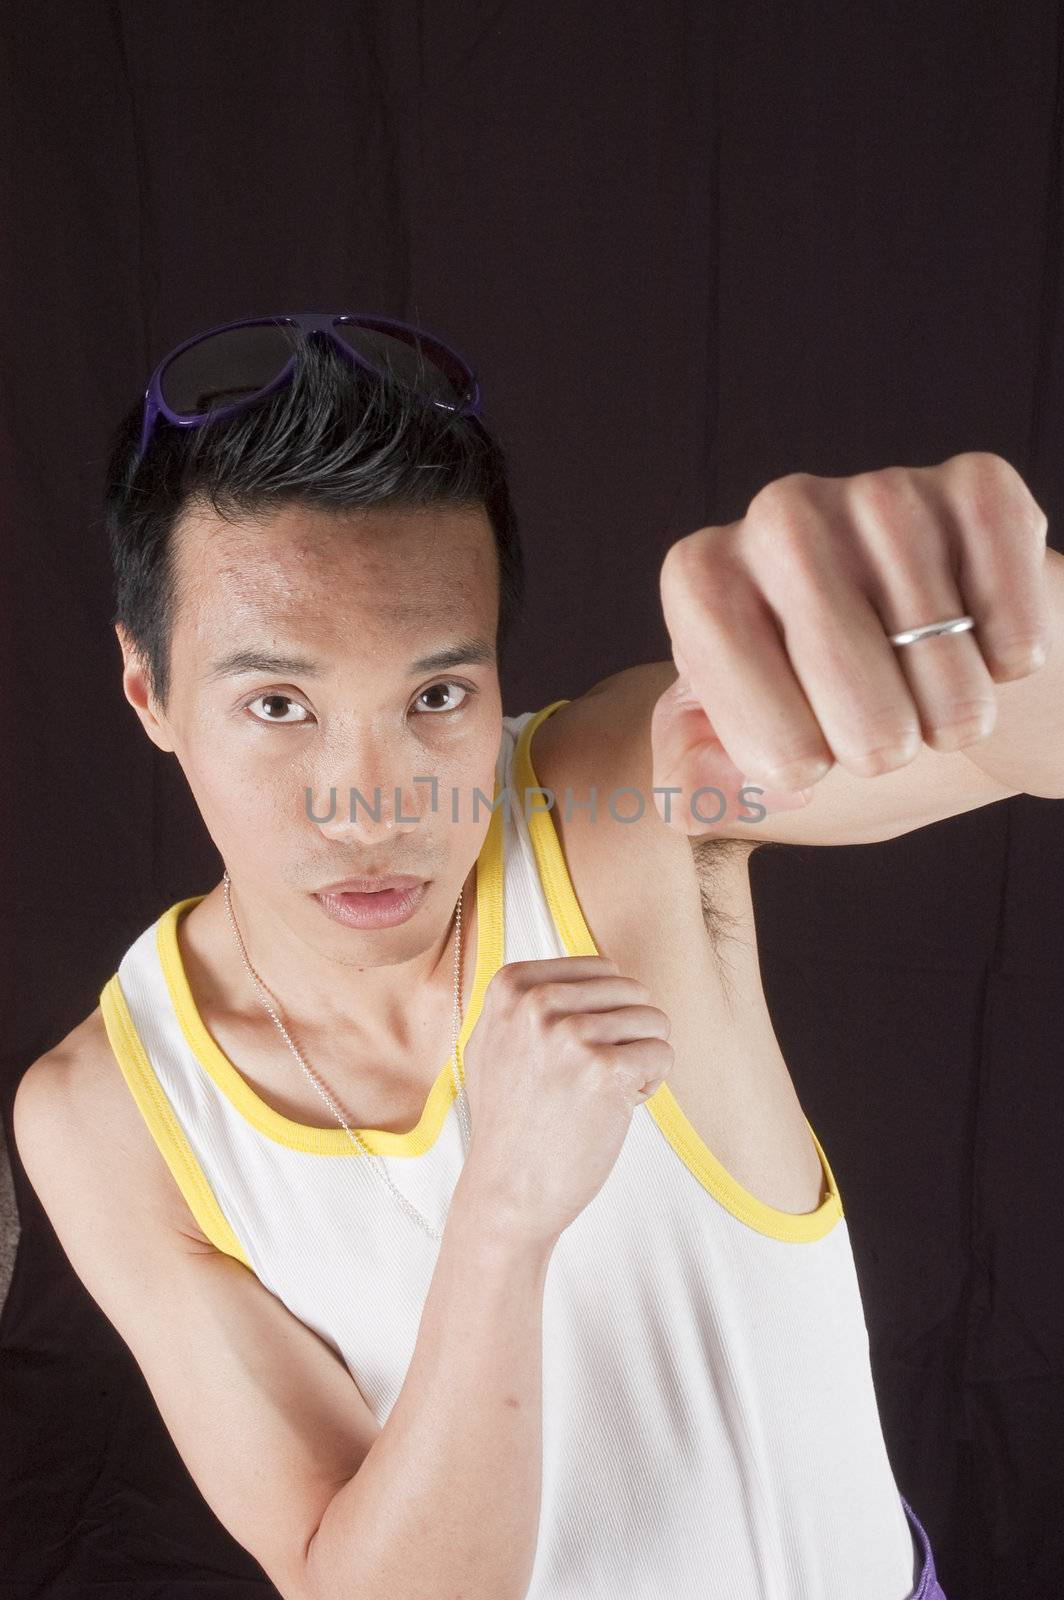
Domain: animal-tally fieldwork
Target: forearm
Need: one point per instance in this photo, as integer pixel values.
(447, 1500)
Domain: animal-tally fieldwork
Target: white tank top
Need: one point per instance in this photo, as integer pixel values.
(710, 1427)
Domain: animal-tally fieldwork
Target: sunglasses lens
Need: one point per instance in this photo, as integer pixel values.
(227, 366)
(412, 359)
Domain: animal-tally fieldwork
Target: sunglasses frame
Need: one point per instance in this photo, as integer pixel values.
(308, 322)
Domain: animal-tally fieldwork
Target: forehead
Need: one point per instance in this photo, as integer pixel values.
(306, 568)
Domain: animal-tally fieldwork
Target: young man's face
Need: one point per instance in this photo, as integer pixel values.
(361, 597)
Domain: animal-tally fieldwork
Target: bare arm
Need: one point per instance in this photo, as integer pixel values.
(444, 1500)
(447, 1501)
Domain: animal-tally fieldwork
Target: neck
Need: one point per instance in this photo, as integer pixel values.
(327, 989)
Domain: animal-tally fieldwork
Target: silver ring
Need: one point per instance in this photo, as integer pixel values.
(953, 625)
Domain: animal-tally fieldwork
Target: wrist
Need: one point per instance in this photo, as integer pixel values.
(489, 1223)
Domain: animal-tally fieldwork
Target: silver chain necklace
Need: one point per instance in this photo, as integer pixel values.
(379, 1165)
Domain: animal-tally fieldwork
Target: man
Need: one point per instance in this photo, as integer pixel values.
(536, 1322)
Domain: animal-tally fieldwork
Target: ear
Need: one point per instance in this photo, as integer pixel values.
(136, 689)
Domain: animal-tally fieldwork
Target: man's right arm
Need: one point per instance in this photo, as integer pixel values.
(443, 1500)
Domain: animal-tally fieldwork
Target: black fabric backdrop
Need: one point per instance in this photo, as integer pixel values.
(689, 247)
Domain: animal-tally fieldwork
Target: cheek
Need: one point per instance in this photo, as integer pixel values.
(469, 816)
(238, 796)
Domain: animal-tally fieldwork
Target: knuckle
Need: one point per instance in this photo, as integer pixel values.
(1038, 520)
(986, 485)
(1020, 649)
(992, 466)
(885, 730)
(781, 504)
(893, 522)
(503, 988)
(795, 765)
(786, 547)
(572, 1025)
(662, 1058)
(886, 489)
(672, 564)
(731, 597)
(979, 708)
(779, 495)
(688, 555)
(680, 549)
(947, 740)
(540, 1000)
(722, 589)
(966, 721)
(872, 761)
(703, 567)
(893, 503)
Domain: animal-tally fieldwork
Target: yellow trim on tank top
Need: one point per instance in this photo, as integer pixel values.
(163, 1125)
(791, 1227)
(334, 1141)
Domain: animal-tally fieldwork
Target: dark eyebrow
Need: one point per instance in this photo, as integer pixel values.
(237, 662)
(467, 652)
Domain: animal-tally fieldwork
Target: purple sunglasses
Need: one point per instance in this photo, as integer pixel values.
(238, 363)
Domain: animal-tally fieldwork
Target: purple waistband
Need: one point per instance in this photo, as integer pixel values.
(929, 1587)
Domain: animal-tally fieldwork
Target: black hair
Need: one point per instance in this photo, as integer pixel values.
(335, 436)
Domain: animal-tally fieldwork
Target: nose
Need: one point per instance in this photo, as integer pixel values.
(368, 801)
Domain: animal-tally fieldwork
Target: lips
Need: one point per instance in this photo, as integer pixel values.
(371, 885)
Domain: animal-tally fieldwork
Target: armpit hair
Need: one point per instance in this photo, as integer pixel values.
(711, 856)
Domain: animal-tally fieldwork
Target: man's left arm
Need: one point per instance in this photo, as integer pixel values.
(779, 627)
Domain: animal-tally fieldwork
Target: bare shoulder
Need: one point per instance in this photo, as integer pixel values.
(571, 752)
(71, 1080)
(262, 1410)
(74, 1117)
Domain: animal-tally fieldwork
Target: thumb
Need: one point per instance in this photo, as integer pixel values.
(688, 757)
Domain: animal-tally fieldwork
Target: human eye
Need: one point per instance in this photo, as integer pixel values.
(438, 688)
(284, 699)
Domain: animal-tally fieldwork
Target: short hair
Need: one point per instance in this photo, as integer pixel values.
(335, 436)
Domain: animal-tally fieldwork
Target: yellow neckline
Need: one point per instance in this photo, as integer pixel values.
(334, 1141)
(791, 1227)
